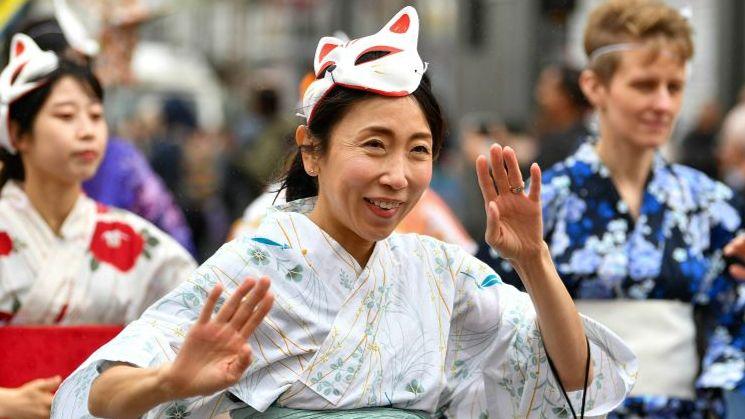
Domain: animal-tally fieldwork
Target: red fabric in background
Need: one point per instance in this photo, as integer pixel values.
(30, 352)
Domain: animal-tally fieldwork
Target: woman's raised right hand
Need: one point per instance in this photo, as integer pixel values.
(215, 352)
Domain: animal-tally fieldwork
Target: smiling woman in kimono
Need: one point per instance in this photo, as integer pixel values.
(637, 240)
(364, 321)
(64, 259)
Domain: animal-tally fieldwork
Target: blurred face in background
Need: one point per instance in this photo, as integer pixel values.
(549, 93)
(641, 101)
(730, 151)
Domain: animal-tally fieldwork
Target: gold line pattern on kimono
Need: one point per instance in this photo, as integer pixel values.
(280, 362)
(331, 245)
(220, 399)
(435, 292)
(361, 344)
(285, 307)
(284, 232)
(372, 347)
(216, 270)
(303, 251)
(458, 333)
(437, 284)
(535, 388)
(353, 293)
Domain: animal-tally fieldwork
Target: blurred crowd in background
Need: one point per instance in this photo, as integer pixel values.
(207, 91)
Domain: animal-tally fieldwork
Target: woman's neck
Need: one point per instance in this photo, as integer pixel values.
(629, 168)
(360, 249)
(53, 200)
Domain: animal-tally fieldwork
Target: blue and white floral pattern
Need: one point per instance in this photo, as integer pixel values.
(672, 251)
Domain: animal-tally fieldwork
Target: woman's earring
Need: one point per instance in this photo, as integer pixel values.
(312, 172)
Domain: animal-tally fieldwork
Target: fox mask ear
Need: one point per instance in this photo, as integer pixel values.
(401, 25)
(325, 46)
(27, 65)
(18, 48)
(22, 45)
(386, 63)
(406, 23)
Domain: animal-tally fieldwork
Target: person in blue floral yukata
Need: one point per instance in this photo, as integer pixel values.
(636, 239)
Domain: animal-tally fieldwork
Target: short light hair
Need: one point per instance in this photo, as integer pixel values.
(627, 21)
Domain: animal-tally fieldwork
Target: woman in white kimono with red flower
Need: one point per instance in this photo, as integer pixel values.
(362, 321)
(65, 259)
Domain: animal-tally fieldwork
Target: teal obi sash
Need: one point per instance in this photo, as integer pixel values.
(275, 412)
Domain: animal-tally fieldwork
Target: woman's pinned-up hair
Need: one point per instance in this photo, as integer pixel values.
(617, 24)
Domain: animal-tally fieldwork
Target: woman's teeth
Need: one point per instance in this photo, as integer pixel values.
(384, 204)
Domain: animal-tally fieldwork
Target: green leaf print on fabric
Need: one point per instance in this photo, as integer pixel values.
(442, 265)
(415, 387)
(150, 240)
(327, 388)
(461, 369)
(295, 274)
(94, 264)
(16, 304)
(177, 411)
(258, 256)
(560, 412)
(191, 300)
(346, 280)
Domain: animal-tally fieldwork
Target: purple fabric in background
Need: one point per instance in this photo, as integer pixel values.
(126, 180)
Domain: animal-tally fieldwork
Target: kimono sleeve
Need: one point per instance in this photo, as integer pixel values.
(497, 365)
(155, 338)
(173, 265)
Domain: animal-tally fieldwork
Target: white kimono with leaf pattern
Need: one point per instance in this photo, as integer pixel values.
(424, 326)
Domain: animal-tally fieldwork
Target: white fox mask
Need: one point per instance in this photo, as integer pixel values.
(25, 71)
(386, 63)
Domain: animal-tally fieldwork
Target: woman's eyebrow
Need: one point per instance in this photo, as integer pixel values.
(375, 129)
(63, 103)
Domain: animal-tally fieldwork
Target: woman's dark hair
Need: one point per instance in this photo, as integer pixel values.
(570, 84)
(329, 111)
(23, 111)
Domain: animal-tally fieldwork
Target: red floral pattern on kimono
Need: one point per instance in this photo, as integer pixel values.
(6, 244)
(103, 265)
(117, 244)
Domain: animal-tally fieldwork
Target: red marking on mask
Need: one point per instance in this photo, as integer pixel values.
(401, 25)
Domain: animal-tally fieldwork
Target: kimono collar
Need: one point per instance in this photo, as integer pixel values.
(587, 153)
(301, 206)
(664, 182)
(81, 216)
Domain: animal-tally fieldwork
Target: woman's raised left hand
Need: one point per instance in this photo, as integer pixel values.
(514, 226)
